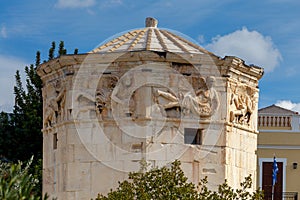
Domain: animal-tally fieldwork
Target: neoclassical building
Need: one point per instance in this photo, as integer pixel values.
(149, 94)
(279, 136)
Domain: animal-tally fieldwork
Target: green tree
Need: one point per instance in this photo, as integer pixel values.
(6, 139)
(226, 192)
(25, 136)
(51, 51)
(20, 131)
(62, 50)
(76, 51)
(27, 115)
(171, 183)
(16, 182)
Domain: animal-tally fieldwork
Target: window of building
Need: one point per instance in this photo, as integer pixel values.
(193, 136)
(55, 141)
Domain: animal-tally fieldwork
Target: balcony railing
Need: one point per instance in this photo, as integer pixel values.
(282, 196)
(274, 121)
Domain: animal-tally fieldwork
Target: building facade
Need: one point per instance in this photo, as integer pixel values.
(152, 95)
(279, 136)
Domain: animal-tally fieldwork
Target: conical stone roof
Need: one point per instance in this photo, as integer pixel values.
(150, 38)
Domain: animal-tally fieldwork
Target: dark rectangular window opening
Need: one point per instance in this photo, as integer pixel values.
(193, 136)
(55, 141)
(146, 70)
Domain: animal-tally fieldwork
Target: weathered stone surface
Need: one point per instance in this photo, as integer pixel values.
(103, 177)
(78, 176)
(110, 110)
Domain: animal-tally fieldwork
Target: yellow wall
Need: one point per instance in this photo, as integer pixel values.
(285, 145)
(292, 175)
(278, 138)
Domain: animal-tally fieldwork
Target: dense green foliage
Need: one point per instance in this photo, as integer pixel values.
(16, 182)
(170, 183)
(62, 50)
(20, 131)
(27, 115)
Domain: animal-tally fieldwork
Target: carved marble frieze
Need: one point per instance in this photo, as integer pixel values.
(202, 100)
(242, 103)
(104, 91)
(54, 105)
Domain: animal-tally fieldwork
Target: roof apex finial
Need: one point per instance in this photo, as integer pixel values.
(151, 22)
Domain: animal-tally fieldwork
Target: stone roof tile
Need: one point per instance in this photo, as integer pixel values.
(150, 38)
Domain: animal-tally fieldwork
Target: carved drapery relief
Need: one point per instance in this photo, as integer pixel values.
(174, 102)
(124, 94)
(242, 103)
(103, 93)
(55, 103)
(100, 99)
(202, 101)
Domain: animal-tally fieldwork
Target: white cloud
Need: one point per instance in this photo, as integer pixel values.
(110, 3)
(201, 39)
(3, 32)
(75, 3)
(8, 67)
(250, 46)
(287, 104)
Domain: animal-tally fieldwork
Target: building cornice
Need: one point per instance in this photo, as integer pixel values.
(283, 147)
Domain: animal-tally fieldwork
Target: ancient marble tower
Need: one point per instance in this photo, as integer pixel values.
(150, 95)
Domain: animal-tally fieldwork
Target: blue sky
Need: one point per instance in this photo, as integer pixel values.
(265, 33)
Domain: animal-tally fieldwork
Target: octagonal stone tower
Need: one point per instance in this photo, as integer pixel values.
(149, 95)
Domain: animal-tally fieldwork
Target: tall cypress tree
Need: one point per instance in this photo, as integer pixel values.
(6, 136)
(51, 51)
(27, 115)
(20, 132)
(62, 50)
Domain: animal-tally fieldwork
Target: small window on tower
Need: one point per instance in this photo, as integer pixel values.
(193, 136)
(55, 141)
